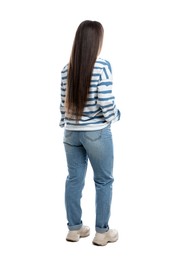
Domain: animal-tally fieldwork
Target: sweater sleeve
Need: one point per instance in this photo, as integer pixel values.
(106, 100)
(62, 105)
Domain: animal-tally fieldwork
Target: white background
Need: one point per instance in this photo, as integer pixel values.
(141, 42)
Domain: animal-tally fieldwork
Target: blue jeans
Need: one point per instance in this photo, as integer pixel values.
(97, 146)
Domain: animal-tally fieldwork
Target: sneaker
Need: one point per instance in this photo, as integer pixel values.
(75, 235)
(101, 239)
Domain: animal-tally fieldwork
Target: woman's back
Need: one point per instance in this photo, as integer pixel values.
(100, 108)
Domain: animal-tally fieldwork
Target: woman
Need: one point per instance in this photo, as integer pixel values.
(87, 111)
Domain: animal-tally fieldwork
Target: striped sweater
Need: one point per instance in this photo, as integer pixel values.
(100, 108)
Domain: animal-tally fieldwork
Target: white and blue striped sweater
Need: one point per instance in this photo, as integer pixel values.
(100, 109)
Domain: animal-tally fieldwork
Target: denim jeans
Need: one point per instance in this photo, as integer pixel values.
(97, 146)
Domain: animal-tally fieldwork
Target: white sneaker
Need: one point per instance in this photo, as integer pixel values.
(74, 236)
(101, 239)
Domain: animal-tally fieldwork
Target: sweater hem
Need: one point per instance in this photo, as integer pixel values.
(86, 128)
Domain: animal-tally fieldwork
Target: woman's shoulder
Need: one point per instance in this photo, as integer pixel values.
(64, 69)
(101, 62)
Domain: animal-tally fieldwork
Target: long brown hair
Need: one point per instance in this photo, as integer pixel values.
(86, 47)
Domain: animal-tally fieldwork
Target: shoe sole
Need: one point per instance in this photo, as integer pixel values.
(104, 244)
(76, 240)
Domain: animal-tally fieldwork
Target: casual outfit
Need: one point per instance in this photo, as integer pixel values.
(90, 138)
